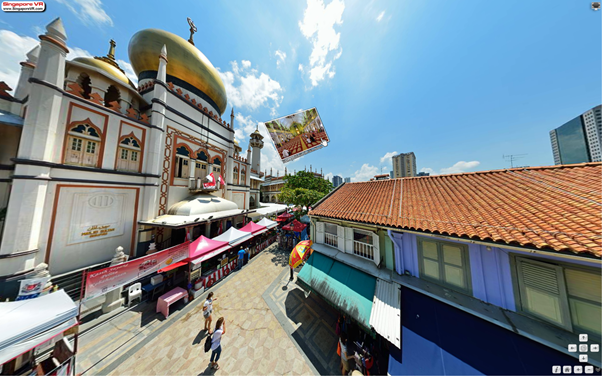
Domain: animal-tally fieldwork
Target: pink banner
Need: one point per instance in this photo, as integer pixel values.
(101, 281)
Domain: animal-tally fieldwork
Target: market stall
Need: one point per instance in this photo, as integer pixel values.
(284, 218)
(267, 223)
(203, 251)
(28, 327)
(292, 234)
(218, 267)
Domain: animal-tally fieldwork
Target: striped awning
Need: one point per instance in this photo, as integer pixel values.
(385, 317)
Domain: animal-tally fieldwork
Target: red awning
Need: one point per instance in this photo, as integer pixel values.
(172, 266)
(203, 246)
(295, 226)
(284, 217)
(254, 228)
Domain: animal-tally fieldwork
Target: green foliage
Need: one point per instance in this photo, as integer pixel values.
(304, 189)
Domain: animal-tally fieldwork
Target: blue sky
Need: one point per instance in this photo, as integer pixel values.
(460, 83)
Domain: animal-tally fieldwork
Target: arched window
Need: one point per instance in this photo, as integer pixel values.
(181, 163)
(83, 145)
(128, 154)
(217, 168)
(252, 201)
(85, 83)
(235, 176)
(243, 177)
(201, 165)
(112, 95)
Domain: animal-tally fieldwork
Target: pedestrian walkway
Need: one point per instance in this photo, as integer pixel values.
(255, 342)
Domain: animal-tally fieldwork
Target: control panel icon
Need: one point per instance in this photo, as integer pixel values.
(567, 369)
(577, 369)
(556, 369)
(583, 347)
(572, 348)
(583, 358)
(589, 369)
(582, 337)
(594, 347)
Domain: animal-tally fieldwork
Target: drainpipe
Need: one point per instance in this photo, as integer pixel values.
(401, 264)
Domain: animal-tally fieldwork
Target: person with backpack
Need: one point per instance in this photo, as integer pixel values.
(207, 311)
(216, 342)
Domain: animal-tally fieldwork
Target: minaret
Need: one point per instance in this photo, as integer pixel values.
(40, 139)
(256, 143)
(156, 144)
(27, 68)
(232, 119)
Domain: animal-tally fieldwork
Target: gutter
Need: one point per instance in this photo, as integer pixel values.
(586, 258)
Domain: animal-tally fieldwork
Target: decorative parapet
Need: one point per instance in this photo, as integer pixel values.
(187, 98)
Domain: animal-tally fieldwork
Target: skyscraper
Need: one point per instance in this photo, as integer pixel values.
(404, 165)
(579, 140)
(336, 181)
(347, 180)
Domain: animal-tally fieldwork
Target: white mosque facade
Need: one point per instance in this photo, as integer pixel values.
(90, 162)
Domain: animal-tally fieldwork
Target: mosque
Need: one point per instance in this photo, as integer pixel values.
(89, 161)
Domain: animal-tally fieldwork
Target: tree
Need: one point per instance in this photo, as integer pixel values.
(304, 189)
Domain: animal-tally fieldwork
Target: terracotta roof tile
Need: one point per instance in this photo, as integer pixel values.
(556, 207)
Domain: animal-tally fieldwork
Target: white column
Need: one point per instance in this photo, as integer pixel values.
(154, 148)
(28, 196)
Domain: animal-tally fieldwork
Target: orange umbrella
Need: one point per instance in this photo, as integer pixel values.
(299, 253)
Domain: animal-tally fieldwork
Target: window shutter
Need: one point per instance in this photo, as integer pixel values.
(341, 238)
(348, 240)
(376, 247)
(320, 232)
(542, 291)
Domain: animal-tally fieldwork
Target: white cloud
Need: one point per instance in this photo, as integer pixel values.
(329, 176)
(380, 16)
(387, 157)
(318, 27)
(281, 55)
(301, 67)
(365, 173)
(243, 127)
(77, 52)
(89, 11)
(13, 47)
(457, 168)
(248, 88)
(129, 71)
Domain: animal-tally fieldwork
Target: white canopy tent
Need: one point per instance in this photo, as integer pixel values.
(234, 236)
(25, 324)
(267, 209)
(267, 223)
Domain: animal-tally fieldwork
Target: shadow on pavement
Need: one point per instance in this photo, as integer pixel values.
(208, 371)
(315, 336)
(200, 337)
(280, 256)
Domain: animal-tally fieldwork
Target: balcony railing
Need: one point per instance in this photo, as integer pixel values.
(363, 250)
(331, 240)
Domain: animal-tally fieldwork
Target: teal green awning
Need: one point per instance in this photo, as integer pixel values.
(347, 288)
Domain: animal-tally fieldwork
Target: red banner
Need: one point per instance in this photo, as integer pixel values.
(101, 281)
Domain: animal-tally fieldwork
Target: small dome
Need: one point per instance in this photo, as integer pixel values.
(201, 204)
(187, 67)
(107, 68)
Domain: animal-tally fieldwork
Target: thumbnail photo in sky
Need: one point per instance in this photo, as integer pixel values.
(298, 134)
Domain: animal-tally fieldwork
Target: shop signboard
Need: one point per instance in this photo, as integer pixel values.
(297, 134)
(32, 288)
(104, 280)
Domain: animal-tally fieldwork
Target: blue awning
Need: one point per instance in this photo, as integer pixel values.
(347, 288)
(438, 339)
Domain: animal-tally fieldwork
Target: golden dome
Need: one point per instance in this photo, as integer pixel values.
(107, 68)
(187, 67)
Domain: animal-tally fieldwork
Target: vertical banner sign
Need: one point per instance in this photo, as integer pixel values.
(104, 280)
(32, 288)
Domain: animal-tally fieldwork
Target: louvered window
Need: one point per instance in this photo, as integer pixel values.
(445, 263)
(584, 294)
(542, 291)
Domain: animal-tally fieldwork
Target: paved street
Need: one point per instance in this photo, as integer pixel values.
(271, 329)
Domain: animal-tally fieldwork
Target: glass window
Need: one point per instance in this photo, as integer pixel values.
(124, 154)
(91, 147)
(76, 144)
(364, 237)
(445, 263)
(572, 142)
(329, 228)
(134, 156)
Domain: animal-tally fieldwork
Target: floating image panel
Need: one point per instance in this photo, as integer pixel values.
(297, 134)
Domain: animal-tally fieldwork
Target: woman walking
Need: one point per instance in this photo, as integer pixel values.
(208, 310)
(345, 367)
(216, 342)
